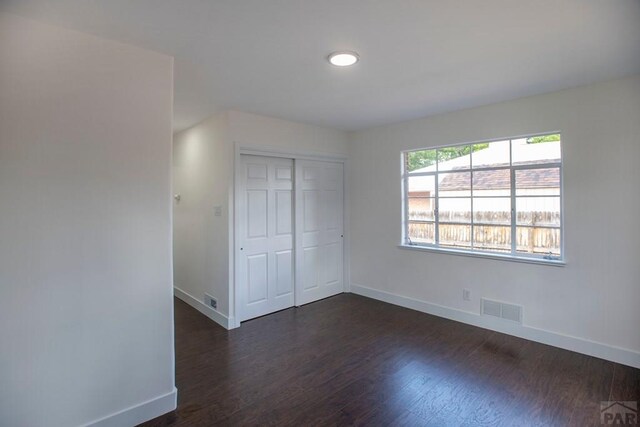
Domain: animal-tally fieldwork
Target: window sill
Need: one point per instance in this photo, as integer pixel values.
(540, 261)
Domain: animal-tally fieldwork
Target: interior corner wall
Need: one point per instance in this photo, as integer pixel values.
(595, 296)
(203, 177)
(201, 168)
(86, 310)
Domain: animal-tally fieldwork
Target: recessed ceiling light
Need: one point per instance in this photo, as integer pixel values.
(343, 59)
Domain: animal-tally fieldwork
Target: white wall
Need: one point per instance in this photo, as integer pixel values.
(596, 296)
(201, 165)
(203, 176)
(85, 228)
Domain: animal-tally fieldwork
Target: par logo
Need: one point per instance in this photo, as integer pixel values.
(619, 413)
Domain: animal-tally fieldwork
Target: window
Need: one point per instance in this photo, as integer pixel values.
(496, 197)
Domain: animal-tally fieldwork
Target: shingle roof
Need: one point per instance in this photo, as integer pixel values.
(499, 179)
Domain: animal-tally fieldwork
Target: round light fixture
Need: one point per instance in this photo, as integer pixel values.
(343, 59)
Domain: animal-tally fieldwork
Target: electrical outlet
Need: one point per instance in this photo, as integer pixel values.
(466, 294)
(217, 210)
(211, 301)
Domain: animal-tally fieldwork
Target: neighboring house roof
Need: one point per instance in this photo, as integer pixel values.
(499, 179)
(495, 156)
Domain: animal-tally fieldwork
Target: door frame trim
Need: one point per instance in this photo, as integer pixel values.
(234, 214)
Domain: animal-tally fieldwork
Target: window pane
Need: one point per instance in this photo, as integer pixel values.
(421, 232)
(454, 184)
(541, 241)
(494, 210)
(490, 238)
(490, 154)
(420, 161)
(536, 150)
(421, 186)
(452, 158)
(538, 182)
(492, 182)
(544, 211)
(421, 208)
(455, 210)
(455, 235)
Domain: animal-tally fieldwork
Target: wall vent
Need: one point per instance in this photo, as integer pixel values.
(503, 310)
(210, 301)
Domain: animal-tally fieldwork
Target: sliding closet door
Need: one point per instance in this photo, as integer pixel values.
(266, 236)
(319, 230)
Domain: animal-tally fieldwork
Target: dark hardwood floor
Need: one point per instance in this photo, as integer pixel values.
(349, 360)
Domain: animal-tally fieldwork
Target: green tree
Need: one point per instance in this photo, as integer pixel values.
(543, 138)
(424, 158)
(420, 159)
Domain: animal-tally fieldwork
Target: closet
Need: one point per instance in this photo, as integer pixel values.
(290, 233)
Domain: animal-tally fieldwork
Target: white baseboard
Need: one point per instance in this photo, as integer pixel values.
(579, 345)
(216, 316)
(140, 413)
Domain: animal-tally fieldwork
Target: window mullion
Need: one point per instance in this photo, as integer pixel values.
(471, 187)
(561, 214)
(512, 179)
(406, 209)
(437, 210)
(513, 213)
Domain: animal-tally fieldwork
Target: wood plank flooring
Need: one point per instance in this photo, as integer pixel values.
(350, 360)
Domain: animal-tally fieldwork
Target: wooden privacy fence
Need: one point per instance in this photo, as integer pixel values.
(491, 230)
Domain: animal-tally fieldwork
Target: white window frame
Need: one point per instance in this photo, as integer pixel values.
(513, 255)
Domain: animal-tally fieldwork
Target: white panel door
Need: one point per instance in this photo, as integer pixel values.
(319, 230)
(266, 236)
